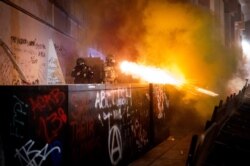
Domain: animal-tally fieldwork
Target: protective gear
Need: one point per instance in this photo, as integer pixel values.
(80, 61)
(81, 72)
(109, 70)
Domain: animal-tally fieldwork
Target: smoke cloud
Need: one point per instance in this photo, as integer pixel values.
(115, 27)
(172, 35)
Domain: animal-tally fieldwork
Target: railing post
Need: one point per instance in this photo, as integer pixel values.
(151, 114)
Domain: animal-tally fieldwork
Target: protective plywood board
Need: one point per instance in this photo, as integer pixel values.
(54, 72)
(28, 39)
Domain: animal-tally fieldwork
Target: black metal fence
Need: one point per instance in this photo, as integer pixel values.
(212, 146)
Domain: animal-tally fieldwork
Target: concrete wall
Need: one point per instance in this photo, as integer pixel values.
(217, 8)
(26, 28)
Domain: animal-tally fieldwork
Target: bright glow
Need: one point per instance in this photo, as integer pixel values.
(158, 76)
(150, 74)
(207, 92)
(246, 48)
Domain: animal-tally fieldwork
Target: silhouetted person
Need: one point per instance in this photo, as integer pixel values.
(81, 72)
(109, 70)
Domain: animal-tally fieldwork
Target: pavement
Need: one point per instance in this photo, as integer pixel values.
(171, 152)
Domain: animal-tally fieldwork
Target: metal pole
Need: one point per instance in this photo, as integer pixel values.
(151, 114)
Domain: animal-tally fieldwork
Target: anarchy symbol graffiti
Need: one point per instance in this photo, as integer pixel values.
(115, 145)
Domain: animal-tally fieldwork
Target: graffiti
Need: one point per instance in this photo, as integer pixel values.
(23, 41)
(109, 98)
(35, 82)
(114, 131)
(80, 102)
(114, 136)
(117, 109)
(100, 119)
(139, 134)
(106, 116)
(115, 145)
(56, 158)
(30, 157)
(82, 125)
(33, 59)
(17, 120)
(51, 125)
(16, 81)
(47, 102)
(100, 100)
(9, 75)
(59, 49)
(117, 113)
(30, 53)
(167, 101)
(83, 140)
(81, 117)
(48, 114)
(41, 54)
(162, 102)
(26, 51)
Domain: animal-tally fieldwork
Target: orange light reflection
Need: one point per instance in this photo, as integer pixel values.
(158, 76)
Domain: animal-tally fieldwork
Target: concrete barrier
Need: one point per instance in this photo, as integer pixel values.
(85, 124)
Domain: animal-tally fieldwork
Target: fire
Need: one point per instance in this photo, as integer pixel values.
(205, 91)
(150, 74)
(158, 76)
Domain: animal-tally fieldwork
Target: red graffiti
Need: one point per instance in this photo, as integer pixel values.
(48, 114)
(82, 127)
(83, 137)
(51, 125)
(81, 131)
(54, 99)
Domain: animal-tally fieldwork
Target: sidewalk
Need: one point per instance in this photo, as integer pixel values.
(171, 152)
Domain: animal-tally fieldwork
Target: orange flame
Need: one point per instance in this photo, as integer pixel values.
(205, 91)
(150, 74)
(158, 76)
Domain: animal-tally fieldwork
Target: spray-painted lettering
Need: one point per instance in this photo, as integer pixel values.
(30, 157)
(109, 98)
(115, 145)
(23, 41)
(47, 102)
(82, 125)
(162, 102)
(139, 133)
(19, 112)
(59, 49)
(48, 114)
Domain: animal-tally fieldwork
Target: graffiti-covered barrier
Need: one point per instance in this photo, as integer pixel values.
(81, 124)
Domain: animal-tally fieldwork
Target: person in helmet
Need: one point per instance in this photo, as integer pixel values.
(109, 70)
(81, 72)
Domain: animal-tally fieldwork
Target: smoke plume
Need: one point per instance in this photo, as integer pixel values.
(172, 35)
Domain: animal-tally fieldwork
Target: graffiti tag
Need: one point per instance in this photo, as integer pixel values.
(31, 157)
(115, 145)
(48, 114)
(18, 114)
(109, 98)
